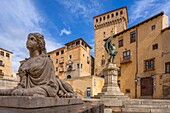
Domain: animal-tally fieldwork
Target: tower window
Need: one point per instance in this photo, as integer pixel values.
(112, 15)
(96, 20)
(104, 18)
(100, 19)
(108, 16)
(116, 13)
(121, 12)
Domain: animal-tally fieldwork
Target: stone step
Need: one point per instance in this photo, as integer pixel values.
(146, 102)
(145, 110)
(135, 110)
(148, 106)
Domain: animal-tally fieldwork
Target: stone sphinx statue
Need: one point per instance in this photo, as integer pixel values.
(37, 76)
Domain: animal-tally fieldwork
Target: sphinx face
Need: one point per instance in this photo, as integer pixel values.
(32, 43)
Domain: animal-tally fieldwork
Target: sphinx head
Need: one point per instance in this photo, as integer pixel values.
(35, 41)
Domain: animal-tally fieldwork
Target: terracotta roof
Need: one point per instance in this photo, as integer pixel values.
(6, 50)
(155, 16)
(79, 39)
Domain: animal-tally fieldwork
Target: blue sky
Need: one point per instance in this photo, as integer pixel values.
(61, 21)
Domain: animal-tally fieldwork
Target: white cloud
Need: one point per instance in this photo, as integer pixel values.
(142, 9)
(17, 19)
(81, 8)
(65, 31)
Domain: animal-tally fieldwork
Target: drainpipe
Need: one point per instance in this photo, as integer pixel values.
(136, 74)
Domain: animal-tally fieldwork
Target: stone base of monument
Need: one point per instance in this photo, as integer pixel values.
(111, 95)
(21, 104)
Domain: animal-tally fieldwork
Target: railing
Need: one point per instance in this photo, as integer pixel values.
(125, 60)
(61, 61)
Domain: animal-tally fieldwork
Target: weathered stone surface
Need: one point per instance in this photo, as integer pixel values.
(81, 108)
(37, 74)
(107, 110)
(36, 102)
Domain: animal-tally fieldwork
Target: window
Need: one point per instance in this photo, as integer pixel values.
(81, 65)
(88, 60)
(83, 55)
(102, 62)
(126, 55)
(78, 43)
(1, 62)
(100, 19)
(78, 66)
(167, 67)
(56, 61)
(149, 64)
(96, 20)
(116, 13)
(133, 36)
(104, 18)
(57, 53)
(7, 55)
(112, 15)
(155, 46)
(2, 53)
(56, 68)
(153, 27)
(108, 16)
(120, 43)
(127, 90)
(121, 12)
(62, 51)
(82, 43)
(70, 57)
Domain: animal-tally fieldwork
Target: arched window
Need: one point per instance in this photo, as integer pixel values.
(69, 77)
(108, 16)
(96, 20)
(112, 15)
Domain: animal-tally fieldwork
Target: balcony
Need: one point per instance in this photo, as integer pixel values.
(61, 69)
(3, 65)
(61, 61)
(126, 59)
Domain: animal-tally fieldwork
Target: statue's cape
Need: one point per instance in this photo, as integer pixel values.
(40, 72)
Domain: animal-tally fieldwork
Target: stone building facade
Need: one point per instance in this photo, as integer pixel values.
(74, 64)
(105, 24)
(5, 63)
(73, 60)
(143, 56)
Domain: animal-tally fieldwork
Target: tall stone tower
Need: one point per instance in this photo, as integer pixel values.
(105, 24)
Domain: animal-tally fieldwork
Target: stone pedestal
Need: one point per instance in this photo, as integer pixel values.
(111, 88)
(25, 104)
(111, 95)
